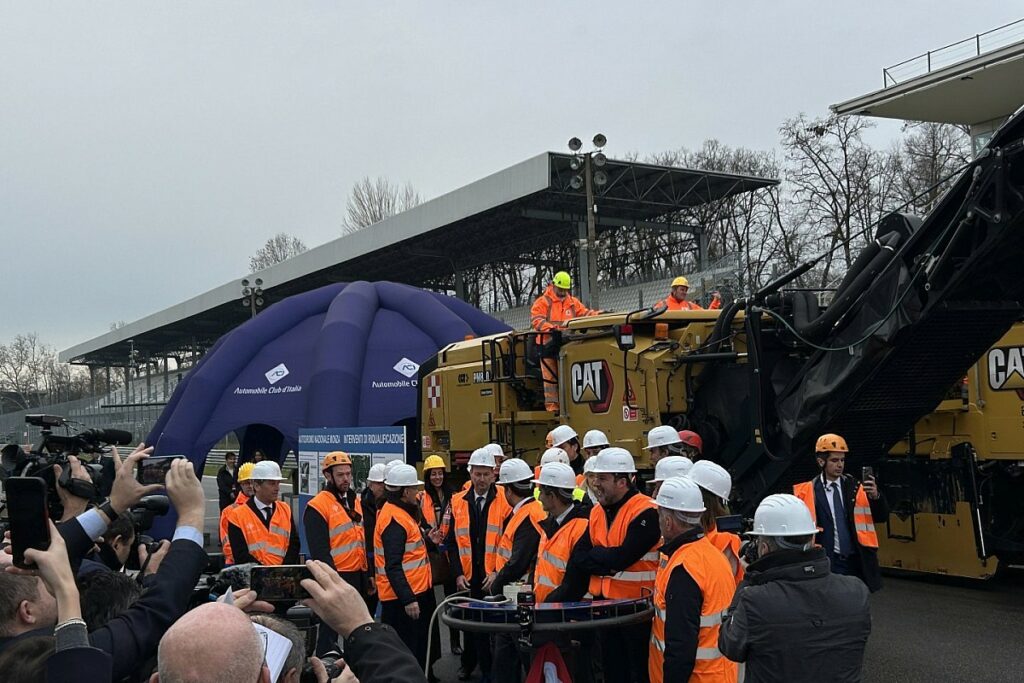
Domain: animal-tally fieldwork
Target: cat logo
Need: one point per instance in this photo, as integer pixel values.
(1006, 369)
(591, 382)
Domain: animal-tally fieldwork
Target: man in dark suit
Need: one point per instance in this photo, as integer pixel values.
(227, 480)
(846, 511)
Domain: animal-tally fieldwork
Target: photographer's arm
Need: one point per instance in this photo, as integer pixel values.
(133, 636)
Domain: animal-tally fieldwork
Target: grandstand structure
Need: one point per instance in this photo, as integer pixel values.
(975, 82)
(507, 217)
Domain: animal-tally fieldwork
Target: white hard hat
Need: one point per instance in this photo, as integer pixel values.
(496, 450)
(680, 493)
(589, 464)
(266, 470)
(402, 475)
(514, 470)
(389, 465)
(661, 436)
(782, 514)
(558, 475)
(554, 455)
(595, 438)
(671, 466)
(482, 457)
(614, 460)
(561, 434)
(712, 477)
(376, 473)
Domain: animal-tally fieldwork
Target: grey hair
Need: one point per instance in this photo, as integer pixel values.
(297, 655)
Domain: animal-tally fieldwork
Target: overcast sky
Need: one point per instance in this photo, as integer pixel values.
(148, 148)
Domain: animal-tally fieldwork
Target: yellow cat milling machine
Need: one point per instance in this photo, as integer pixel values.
(759, 381)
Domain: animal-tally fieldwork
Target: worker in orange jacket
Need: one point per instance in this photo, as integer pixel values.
(549, 312)
(245, 484)
(677, 301)
(846, 511)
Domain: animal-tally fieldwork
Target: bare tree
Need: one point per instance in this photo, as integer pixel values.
(373, 200)
(928, 154)
(23, 369)
(280, 247)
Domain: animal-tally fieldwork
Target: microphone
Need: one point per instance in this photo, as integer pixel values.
(114, 436)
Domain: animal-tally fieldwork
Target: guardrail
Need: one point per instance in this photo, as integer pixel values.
(960, 51)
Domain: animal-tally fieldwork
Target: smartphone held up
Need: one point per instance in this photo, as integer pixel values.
(27, 516)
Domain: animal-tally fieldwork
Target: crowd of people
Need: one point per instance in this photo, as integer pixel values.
(581, 526)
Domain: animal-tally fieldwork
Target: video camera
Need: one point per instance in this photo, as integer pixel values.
(54, 449)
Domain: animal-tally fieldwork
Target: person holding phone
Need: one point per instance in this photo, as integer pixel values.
(846, 511)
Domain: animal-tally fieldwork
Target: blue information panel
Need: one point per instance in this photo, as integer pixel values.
(365, 445)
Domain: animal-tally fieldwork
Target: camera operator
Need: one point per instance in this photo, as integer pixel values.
(131, 637)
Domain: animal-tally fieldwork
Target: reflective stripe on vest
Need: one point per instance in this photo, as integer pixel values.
(630, 582)
(530, 510)
(709, 569)
(415, 563)
(864, 524)
(346, 536)
(267, 546)
(553, 556)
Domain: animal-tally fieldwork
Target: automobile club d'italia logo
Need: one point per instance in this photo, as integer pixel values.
(405, 367)
(273, 375)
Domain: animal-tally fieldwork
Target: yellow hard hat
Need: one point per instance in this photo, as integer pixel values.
(434, 462)
(680, 282)
(831, 443)
(335, 458)
(562, 280)
(245, 471)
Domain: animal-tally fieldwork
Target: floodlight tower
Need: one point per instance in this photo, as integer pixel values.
(587, 162)
(252, 296)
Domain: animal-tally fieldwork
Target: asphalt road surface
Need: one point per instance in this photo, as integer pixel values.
(924, 629)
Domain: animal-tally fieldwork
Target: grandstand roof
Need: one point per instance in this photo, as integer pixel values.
(972, 81)
(517, 211)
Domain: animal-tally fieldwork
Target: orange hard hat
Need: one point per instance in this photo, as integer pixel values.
(335, 458)
(831, 443)
(692, 439)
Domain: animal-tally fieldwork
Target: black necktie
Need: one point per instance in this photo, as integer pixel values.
(841, 528)
(480, 500)
(267, 512)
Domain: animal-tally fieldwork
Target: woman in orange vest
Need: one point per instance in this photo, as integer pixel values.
(550, 312)
(715, 484)
(848, 537)
(401, 565)
(691, 595)
(435, 504)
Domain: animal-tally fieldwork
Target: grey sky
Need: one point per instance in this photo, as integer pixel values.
(147, 149)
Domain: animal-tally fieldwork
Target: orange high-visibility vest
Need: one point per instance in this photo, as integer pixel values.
(729, 544)
(551, 312)
(498, 510)
(865, 525)
(225, 517)
(415, 562)
(553, 556)
(530, 510)
(686, 305)
(710, 571)
(429, 516)
(267, 546)
(629, 582)
(346, 536)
